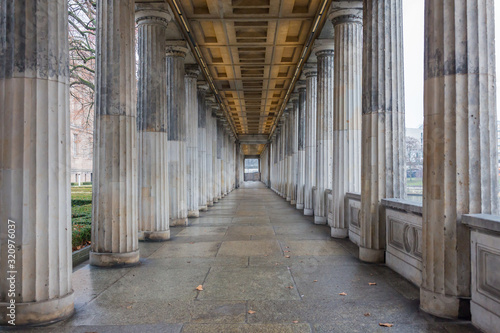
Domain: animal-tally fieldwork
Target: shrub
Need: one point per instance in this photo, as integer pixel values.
(80, 199)
(80, 236)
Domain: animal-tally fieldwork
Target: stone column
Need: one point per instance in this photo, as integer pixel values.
(177, 127)
(324, 131)
(114, 191)
(238, 163)
(301, 136)
(220, 151)
(382, 168)
(192, 113)
(310, 137)
(152, 136)
(209, 160)
(294, 146)
(35, 190)
(347, 21)
(289, 152)
(460, 146)
(202, 146)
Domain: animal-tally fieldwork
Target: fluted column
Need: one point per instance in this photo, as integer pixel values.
(152, 139)
(35, 227)
(311, 74)
(324, 128)
(209, 160)
(289, 152)
(301, 136)
(383, 169)
(114, 191)
(347, 20)
(294, 146)
(192, 113)
(202, 147)
(177, 132)
(460, 146)
(220, 158)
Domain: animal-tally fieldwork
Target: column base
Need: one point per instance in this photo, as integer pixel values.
(444, 306)
(288, 199)
(193, 213)
(39, 313)
(203, 208)
(308, 211)
(216, 200)
(182, 222)
(154, 236)
(210, 203)
(113, 259)
(299, 206)
(319, 219)
(293, 202)
(371, 255)
(339, 232)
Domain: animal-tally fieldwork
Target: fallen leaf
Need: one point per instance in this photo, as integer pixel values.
(385, 324)
(287, 256)
(367, 314)
(343, 294)
(251, 311)
(287, 247)
(200, 287)
(295, 321)
(372, 283)
(287, 251)
(290, 287)
(129, 307)
(315, 281)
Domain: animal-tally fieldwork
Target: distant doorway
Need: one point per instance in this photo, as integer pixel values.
(252, 169)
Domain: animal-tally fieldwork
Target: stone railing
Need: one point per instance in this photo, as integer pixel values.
(352, 209)
(403, 220)
(485, 270)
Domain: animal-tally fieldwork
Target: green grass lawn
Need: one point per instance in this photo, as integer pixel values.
(81, 215)
(417, 182)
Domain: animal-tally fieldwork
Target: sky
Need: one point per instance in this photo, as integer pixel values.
(413, 39)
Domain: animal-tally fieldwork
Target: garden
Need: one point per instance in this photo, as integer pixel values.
(81, 216)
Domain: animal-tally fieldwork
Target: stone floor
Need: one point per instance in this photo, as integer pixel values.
(264, 267)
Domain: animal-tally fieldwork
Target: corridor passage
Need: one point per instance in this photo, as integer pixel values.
(263, 267)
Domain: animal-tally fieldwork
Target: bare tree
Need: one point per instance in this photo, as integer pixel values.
(414, 154)
(82, 45)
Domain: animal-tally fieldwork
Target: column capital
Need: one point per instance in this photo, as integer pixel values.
(192, 70)
(310, 70)
(176, 48)
(203, 86)
(293, 97)
(152, 14)
(346, 12)
(301, 85)
(323, 47)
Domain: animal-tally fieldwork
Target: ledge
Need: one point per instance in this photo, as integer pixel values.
(81, 255)
(486, 222)
(403, 205)
(353, 196)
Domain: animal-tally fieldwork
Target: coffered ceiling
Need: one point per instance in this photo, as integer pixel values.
(252, 49)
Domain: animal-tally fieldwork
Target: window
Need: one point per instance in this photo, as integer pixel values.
(251, 165)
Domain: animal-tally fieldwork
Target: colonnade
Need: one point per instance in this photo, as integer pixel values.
(163, 150)
(154, 165)
(355, 131)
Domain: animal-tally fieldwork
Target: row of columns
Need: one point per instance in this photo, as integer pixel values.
(162, 150)
(353, 106)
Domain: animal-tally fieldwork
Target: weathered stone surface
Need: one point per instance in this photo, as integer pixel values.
(114, 197)
(202, 146)
(324, 128)
(348, 33)
(177, 129)
(192, 160)
(34, 162)
(301, 137)
(460, 146)
(383, 153)
(152, 139)
(310, 139)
